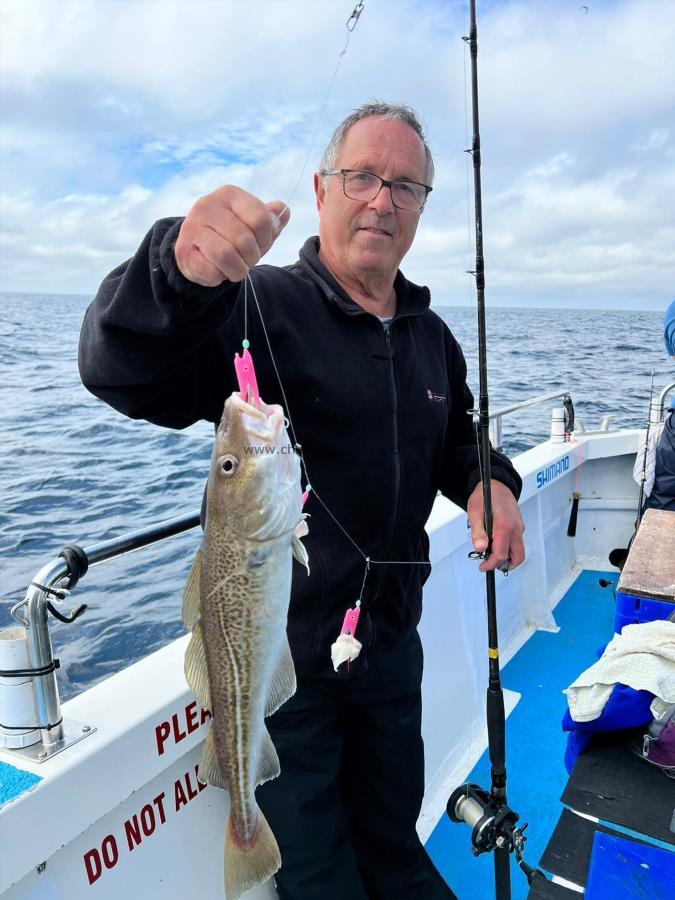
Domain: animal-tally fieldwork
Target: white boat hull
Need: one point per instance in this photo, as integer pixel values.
(120, 813)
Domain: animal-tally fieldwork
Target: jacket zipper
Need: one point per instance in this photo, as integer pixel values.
(397, 458)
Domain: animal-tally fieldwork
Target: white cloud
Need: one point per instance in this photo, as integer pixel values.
(119, 113)
(657, 139)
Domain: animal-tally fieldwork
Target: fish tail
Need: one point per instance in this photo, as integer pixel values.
(249, 864)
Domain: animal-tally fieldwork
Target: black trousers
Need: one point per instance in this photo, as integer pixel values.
(350, 791)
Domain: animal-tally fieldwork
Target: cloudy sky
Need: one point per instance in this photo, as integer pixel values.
(118, 112)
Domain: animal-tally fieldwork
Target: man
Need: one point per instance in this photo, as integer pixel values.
(660, 488)
(380, 409)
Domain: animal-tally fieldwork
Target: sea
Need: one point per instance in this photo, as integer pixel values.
(72, 470)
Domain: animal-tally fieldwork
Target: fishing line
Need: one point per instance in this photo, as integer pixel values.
(476, 620)
(246, 311)
(363, 583)
(474, 624)
(350, 26)
(473, 627)
(298, 449)
(287, 409)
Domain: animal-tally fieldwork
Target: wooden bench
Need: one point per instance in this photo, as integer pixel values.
(649, 570)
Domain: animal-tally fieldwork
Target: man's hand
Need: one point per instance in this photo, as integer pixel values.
(507, 527)
(225, 234)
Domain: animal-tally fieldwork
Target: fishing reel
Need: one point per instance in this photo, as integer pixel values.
(493, 824)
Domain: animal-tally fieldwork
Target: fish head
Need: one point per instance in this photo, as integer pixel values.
(254, 482)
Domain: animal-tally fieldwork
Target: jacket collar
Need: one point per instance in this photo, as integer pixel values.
(411, 299)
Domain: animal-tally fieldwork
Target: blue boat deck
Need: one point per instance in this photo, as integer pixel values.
(535, 743)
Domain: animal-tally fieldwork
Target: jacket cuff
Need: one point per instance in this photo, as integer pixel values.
(508, 477)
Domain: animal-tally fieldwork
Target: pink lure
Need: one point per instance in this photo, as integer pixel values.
(248, 385)
(351, 621)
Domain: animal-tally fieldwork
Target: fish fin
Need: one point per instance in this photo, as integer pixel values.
(300, 552)
(191, 605)
(268, 765)
(247, 866)
(283, 684)
(208, 770)
(196, 673)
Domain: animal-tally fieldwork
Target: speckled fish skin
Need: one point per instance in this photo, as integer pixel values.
(244, 620)
(253, 508)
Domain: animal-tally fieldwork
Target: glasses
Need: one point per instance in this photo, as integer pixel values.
(364, 186)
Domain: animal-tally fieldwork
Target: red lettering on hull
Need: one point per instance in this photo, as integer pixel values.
(162, 732)
(178, 735)
(191, 717)
(180, 726)
(132, 831)
(187, 788)
(159, 803)
(107, 856)
(93, 865)
(179, 795)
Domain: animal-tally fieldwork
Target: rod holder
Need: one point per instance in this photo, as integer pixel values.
(29, 693)
(558, 425)
(19, 725)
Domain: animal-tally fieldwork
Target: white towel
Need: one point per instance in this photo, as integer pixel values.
(641, 657)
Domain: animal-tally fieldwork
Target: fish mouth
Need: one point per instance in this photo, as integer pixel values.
(262, 425)
(278, 508)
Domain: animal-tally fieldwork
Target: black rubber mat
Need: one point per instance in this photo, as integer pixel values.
(568, 853)
(547, 890)
(613, 784)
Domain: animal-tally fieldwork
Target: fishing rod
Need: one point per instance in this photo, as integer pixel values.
(493, 822)
(643, 474)
(618, 556)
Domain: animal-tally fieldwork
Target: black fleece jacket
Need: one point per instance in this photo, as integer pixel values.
(381, 417)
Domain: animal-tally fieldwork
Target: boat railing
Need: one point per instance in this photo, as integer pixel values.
(32, 725)
(659, 403)
(31, 722)
(28, 684)
(497, 416)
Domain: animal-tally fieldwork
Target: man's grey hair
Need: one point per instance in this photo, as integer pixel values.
(397, 112)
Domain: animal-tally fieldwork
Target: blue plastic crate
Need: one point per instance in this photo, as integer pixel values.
(630, 610)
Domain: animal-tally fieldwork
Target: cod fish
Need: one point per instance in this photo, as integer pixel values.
(238, 662)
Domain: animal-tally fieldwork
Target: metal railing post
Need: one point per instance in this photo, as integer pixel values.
(40, 652)
(496, 434)
(45, 592)
(661, 401)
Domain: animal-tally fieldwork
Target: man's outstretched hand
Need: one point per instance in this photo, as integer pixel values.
(225, 234)
(507, 527)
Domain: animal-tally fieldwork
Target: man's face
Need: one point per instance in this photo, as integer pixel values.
(370, 237)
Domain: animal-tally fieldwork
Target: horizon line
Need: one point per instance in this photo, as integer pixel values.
(446, 305)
